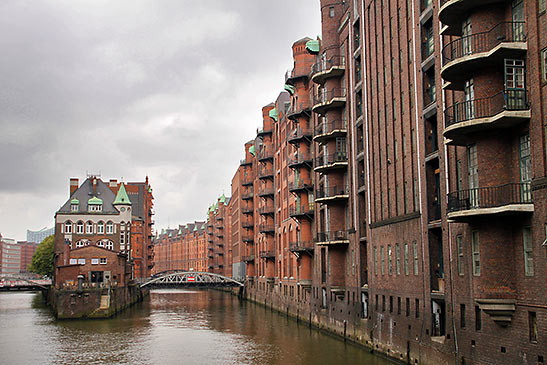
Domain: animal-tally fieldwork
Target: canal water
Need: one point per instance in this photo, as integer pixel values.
(170, 327)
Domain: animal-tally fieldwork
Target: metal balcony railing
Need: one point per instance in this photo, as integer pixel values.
(490, 197)
(330, 236)
(247, 238)
(298, 134)
(334, 61)
(332, 191)
(265, 154)
(328, 95)
(265, 172)
(263, 131)
(304, 209)
(486, 107)
(298, 109)
(299, 159)
(265, 191)
(267, 209)
(266, 228)
(267, 254)
(247, 210)
(247, 180)
(484, 41)
(329, 127)
(300, 246)
(247, 224)
(248, 258)
(303, 184)
(331, 159)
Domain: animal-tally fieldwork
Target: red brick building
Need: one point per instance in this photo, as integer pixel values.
(94, 233)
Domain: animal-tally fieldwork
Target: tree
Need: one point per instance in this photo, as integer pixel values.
(43, 258)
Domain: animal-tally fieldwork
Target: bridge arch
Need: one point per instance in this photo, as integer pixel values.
(193, 278)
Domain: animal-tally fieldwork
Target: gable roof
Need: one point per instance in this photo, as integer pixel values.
(85, 192)
(121, 197)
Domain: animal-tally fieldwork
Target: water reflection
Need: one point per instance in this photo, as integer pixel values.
(170, 327)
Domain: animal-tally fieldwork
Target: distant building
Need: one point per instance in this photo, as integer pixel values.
(15, 257)
(39, 236)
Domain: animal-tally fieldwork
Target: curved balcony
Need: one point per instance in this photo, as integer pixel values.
(266, 191)
(338, 160)
(303, 211)
(301, 246)
(300, 185)
(332, 238)
(299, 134)
(329, 99)
(265, 154)
(480, 50)
(502, 110)
(269, 254)
(266, 210)
(265, 173)
(261, 132)
(332, 194)
(297, 111)
(508, 199)
(266, 228)
(328, 130)
(323, 70)
(300, 159)
(453, 12)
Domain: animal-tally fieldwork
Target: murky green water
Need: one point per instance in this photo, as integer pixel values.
(171, 327)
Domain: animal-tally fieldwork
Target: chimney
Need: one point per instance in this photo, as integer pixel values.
(94, 186)
(113, 183)
(74, 183)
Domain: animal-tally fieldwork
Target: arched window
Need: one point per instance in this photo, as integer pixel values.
(100, 227)
(109, 245)
(109, 227)
(82, 243)
(89, 227)
(101, 243)
(80, 227)
(68, 227)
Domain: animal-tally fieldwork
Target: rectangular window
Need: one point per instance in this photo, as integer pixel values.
(528, 252)
(475, 247)
(478, 320)
(383, 303)
(399, 305)
(417, 308)
(398, 258)
(95, 261)
(415, 247)
(382, 260)
(73, 261)
(462, 315)
(542, 6)
(407, 307)
(390, 304)
(81, 261)
(544, 60)
(375, 260)
(389, 265)
(406, 259)
(376, 302)
(533, 328)
(459, 247)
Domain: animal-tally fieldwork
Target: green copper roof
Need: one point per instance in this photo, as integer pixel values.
(313, 46)
(273, 114)
(94, 200)
(203, 227)
(121, 197)
(252, 150)
(223, 198)
(74, 201)
(195, 228)
(290, 89)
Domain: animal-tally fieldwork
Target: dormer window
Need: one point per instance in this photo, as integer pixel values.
(74, 205)
(95, 204)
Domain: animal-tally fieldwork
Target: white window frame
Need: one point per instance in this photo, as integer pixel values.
(109, 227)
(73, 262)
(89, 228)
(476, 253)
(68, 227)
(100, 227)
(80, 227)
(528, 250)
(94, 261)
(103, 261)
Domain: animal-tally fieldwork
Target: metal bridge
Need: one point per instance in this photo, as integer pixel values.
(14, 283)
(191, 279)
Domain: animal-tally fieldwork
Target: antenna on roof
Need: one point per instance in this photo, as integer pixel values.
(92, 174)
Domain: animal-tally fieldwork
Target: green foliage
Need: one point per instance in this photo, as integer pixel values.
(43, 258)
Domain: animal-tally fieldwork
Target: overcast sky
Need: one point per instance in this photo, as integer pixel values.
(171, 89)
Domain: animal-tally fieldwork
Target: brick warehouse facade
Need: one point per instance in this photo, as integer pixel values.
(395, 192)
